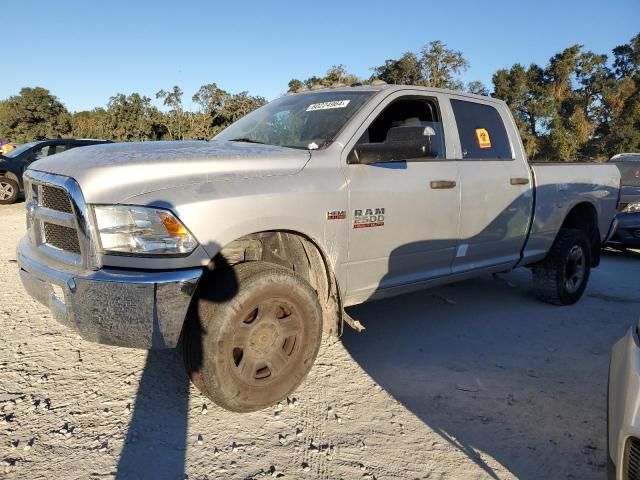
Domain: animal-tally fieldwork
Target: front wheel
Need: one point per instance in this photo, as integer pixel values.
(249, 351)
(561, 278)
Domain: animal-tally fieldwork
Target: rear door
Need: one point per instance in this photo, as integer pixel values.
(497, 197)
(403, 214)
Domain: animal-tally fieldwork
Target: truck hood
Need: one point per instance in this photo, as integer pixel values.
(112, 173)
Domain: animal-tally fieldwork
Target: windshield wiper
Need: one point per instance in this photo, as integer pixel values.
(251, 140)
(246, 140)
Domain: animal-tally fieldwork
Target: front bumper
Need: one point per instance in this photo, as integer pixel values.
(624, 399)
(628, 231)
(128, 308)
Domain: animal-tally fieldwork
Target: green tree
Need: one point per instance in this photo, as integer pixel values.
(133, 118)
(91, 124)
(337, 75)
(441, 66)
(173, 121)
(627, 58)
(295, 85)
(574, 80)
(435, 66)
(218, 109)
(407, 70)
(477, 88)
(527, 95)
(33, 114)
(620, 129)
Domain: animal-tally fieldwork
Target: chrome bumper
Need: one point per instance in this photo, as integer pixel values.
(128, 308)
(624, 398)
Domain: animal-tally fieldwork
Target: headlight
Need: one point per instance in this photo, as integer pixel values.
(141, 231)
(631, 208)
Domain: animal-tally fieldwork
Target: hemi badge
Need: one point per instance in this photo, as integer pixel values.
(336, 215)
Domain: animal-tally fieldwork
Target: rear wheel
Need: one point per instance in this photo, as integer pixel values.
(562, 277)
(8, 191)
(251, 350)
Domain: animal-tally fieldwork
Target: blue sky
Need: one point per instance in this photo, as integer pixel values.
(85, 51)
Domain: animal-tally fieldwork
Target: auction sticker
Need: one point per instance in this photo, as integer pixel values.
(328, 105)
(484, 140)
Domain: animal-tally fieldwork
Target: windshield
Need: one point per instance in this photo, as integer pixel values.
(17, 151)
(307, 120)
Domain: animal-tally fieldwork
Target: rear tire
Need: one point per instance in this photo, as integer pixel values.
(249, 351)
(9, 190)
(561, 278)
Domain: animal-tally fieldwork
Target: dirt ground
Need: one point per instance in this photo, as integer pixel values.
(473, 380)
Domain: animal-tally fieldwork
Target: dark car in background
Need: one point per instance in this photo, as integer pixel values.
(14, 163)
(628, 232)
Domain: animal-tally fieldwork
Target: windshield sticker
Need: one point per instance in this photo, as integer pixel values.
(312, 146)
(328, 105)
(484, 140)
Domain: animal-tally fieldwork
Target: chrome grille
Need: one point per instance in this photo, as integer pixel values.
(64, 238)
(55, 199)
(632, 459)
(57, 220)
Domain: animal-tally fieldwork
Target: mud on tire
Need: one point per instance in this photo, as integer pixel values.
(561, 278)
(252, 348)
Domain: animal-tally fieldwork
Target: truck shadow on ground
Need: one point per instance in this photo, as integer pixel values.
(162, 399)
(496, 373)
(161, 406)
(482, 363)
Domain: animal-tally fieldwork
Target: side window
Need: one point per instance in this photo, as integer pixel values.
(59, 149)
(42, 152)
(482, 132)
(407, 129)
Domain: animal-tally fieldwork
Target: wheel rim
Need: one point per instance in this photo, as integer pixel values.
(6, 191)
(574, 269)
(265, 340)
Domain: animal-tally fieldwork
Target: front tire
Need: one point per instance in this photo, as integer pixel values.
(562, 277)
(9, 190)
(249, 351)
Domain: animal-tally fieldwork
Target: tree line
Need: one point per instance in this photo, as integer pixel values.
(36, 114)
(580, 105)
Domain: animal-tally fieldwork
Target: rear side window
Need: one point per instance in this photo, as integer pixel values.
(482, 133)
(59, 148)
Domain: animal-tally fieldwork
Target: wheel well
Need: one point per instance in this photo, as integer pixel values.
(298, 253)
(12, 176)
(585, 217)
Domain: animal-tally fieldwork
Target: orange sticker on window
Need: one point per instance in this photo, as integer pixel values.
(484, 140)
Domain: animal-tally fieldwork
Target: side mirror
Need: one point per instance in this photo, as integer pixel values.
(402, 143)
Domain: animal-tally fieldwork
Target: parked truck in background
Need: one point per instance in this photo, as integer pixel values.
(628, 232)
(243, 250)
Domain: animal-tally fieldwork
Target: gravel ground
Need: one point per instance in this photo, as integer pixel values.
(473, 380)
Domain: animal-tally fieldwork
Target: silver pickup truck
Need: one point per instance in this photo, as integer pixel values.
(243, 250)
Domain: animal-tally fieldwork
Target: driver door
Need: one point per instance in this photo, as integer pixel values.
(404, 211)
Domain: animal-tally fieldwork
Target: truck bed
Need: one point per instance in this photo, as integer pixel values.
(561, 186)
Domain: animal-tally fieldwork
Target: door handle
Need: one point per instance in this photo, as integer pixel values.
(519, 181)
(442, 184)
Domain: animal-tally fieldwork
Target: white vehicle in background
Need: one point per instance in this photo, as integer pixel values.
(623, 409)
